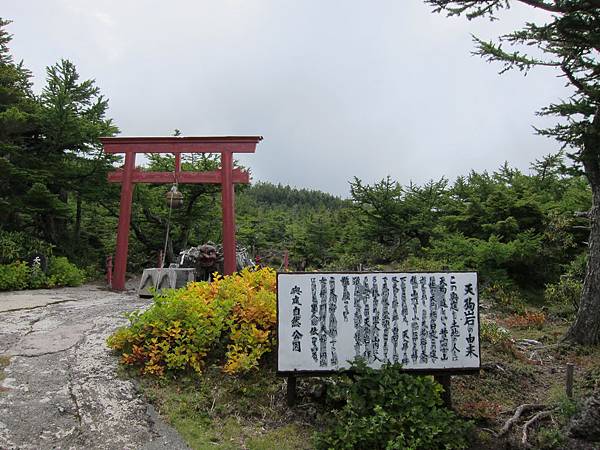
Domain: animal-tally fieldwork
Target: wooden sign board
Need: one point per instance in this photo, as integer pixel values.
(428, 322)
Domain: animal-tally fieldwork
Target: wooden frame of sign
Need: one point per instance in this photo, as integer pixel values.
(426, 321)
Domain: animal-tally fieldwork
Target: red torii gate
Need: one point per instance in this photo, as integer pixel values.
(226, 176)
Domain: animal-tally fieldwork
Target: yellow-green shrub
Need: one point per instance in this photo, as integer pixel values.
(232, 317)
(18, 275)
(14, 276)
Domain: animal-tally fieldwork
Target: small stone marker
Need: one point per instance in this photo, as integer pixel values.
(165, 278)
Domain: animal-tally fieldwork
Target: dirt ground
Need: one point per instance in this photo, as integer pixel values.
(59, 387)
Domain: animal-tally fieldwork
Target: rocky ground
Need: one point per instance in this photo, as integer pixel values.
(59, 387)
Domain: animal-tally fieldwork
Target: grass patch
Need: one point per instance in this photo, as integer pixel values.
(219, 411)
(4, 362)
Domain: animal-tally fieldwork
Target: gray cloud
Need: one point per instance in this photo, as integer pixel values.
(338, 89)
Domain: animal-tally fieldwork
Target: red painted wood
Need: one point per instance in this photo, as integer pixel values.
(226, 176)
(124, 221)
(127, 140)
(177, 164)
(227, 202)
(212, 177)
(243, 147)
(241, 144)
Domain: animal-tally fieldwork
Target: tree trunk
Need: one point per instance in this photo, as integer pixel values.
(77, 230)
(586, 328)
(187, 223)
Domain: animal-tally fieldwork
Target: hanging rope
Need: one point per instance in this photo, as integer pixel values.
(164, 254)
(168, 231)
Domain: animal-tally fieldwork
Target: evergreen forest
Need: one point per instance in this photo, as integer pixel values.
(525, 231)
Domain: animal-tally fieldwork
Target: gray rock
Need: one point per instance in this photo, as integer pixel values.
(586, 425)
(60, 388)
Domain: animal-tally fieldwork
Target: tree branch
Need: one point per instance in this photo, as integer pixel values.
(574, 81)
(519, 411)
(139, 234)
(542, 5)
(538, 416)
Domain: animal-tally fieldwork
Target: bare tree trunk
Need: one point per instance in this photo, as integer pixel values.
(77, 230)
(187, 223)
(586, 328)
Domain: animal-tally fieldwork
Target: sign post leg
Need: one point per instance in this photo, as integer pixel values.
(446, 382)
(291, 390)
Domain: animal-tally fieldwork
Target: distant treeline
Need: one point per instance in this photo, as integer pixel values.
(271, 194)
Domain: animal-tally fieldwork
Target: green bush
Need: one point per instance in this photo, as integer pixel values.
(389, 409)
(231, 317)
(494, 334)
(422, 264)
(19, 275)
(504, 297)
(37, 277)
(517, 260)
(563, 297)
(18, 246)
(62, 273)
(14, 276)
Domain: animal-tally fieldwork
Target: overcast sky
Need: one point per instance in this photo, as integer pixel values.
(337, 88)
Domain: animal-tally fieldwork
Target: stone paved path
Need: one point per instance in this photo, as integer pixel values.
(60, 389)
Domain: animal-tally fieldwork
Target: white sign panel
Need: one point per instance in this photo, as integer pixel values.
(424, 321)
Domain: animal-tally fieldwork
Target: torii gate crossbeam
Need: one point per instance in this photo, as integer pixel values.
(227, 176)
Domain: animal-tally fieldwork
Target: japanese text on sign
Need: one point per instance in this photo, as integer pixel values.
(422, 320)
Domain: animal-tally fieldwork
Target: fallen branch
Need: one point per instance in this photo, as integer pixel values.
(539, 416)
(489, 430)
(516, 416)
(529, 342)
(493, 367)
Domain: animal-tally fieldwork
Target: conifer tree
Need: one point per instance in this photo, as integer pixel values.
(569, 42)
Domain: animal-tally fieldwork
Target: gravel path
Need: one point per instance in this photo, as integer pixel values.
(60, 389)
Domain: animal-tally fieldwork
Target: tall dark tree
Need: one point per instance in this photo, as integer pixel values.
(51, 163)
(569, 41)
(18, 129)
(72, 118)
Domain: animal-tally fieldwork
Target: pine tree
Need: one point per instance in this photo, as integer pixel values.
(569, 42)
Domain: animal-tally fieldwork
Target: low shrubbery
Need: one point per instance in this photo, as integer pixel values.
(62, 273)
(388, 409)
(14, 276)
(528, 319)
(231, 318)
(19, 246)
(504, 297)
(494, 334)
(19, 275)
(563, 296)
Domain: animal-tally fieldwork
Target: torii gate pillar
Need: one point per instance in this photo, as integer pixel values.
(227, 176)
(227, 202)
